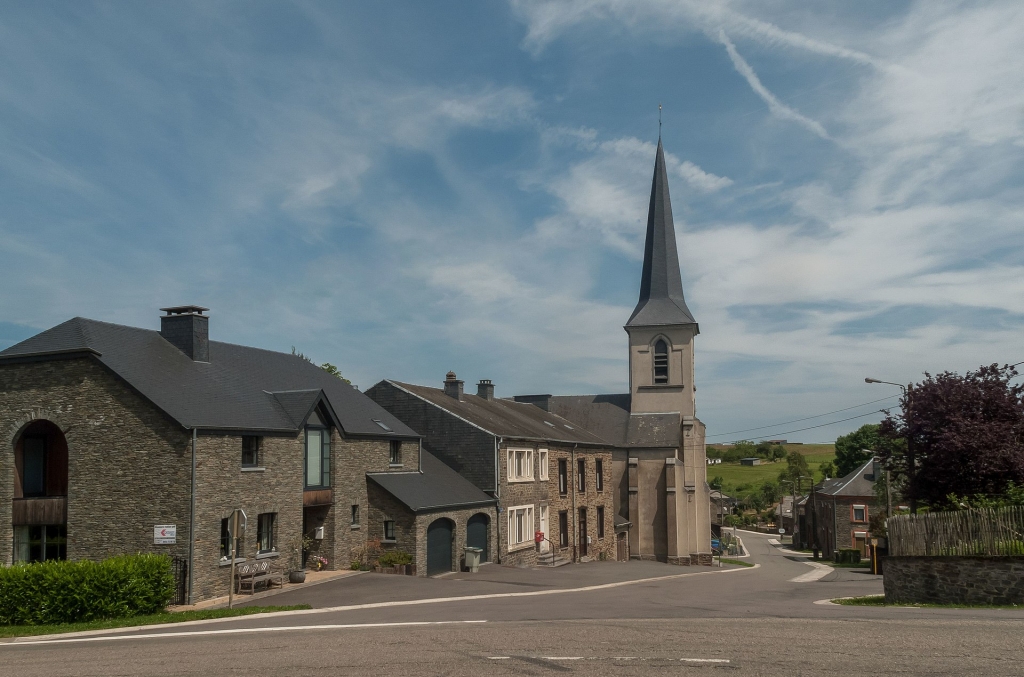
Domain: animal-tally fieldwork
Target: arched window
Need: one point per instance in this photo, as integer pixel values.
(661, 362)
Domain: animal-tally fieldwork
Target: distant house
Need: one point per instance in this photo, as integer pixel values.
(840, 510)
(750, 461)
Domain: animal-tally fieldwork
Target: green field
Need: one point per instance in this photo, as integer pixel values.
(738, 479)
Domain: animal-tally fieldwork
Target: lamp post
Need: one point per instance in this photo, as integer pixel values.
(911, 460)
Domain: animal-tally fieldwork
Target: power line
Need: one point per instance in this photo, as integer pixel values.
(806, 418)
(823, 425)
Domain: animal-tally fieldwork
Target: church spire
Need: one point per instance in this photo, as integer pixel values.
(661, 287)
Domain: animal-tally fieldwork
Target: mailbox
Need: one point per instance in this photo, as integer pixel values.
(538, 536)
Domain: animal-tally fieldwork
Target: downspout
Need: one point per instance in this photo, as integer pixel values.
(192, 523)
(573, 470)
(497, 493)
(835, 527)
(419, 456)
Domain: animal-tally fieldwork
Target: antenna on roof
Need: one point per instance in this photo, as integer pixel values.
(659, 122)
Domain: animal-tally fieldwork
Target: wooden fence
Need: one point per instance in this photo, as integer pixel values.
(992, 532)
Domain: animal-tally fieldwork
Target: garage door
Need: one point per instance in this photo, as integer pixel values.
(476, 534)
(439, 547)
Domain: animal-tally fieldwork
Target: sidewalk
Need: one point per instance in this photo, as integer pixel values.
(312, 578)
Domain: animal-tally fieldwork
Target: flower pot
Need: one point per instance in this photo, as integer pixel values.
(297, 576)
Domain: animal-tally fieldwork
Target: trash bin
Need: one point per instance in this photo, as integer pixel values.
(473, 558)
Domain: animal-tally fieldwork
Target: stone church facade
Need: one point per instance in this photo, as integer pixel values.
(659, 462)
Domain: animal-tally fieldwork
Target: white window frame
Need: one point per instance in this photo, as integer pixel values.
(520, 464)
(520, 526)
(542, 456)
(853, 514)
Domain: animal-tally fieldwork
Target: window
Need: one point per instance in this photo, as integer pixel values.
(563, 529)
(520, 465)
(396, 452)
(250, 451)
(520, 526)
(661, 362)
(40, 543)
(33, 467)
(225, 540)
(355, 515)
(265, 532)
(860, 513)
(563, 476)
(600, 521)
(581, 475)
(318, 455)
(543, 462)
(599, 474)
(389, 530)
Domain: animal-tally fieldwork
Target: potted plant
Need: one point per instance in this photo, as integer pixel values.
(299, 545)
(318, 562)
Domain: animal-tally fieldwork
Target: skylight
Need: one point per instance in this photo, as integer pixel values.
(382, 424)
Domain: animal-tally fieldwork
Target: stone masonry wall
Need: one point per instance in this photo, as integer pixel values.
(384, 506)
(954, 580)
(600, 547)
(513, 494)
(460, 518)
(129, 465)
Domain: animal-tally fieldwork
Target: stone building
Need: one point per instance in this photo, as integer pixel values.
(119, 440)
(548, 475)
(659, 463)
(840, 510)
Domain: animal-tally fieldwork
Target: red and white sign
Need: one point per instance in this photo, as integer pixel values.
(165, 534)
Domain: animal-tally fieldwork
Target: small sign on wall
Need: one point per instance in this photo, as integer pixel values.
(165, 534)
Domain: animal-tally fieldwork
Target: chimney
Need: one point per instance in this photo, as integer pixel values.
(485, 389)
(452, 386)
(542, 401)
(188, 330)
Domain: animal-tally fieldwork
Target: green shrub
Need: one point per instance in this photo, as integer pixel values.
(47, 593)
(394, 557)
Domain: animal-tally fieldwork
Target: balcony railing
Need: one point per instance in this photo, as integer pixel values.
(42, 510)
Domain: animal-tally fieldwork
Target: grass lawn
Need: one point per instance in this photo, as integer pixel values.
(879, 600)
(154, 619)
(736, 562)
(738, 479)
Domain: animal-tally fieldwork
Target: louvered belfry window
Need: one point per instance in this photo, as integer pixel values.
(660, 362)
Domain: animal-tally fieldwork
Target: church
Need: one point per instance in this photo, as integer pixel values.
(658, 460)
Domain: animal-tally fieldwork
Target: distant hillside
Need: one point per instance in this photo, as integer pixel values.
(739, 479)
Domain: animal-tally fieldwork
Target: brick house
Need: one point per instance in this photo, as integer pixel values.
(841, 509)
(109, 432)
(547, 474)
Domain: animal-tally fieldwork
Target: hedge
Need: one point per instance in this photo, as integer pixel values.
(46, 593)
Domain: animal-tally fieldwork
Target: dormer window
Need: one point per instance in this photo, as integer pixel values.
(661, 362)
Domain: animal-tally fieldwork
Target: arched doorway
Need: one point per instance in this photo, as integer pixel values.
(439, 547)
(476, 534)
(39, 511)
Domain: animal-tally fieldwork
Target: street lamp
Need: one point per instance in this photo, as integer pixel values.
(911, 465)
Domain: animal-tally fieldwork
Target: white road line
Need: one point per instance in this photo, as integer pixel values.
(411, 602)
(231, 631)
(819, 572)
(617, 658)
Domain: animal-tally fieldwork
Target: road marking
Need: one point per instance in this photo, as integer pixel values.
(616, 658)
(499, 658)
(819, 572)
(230, 631)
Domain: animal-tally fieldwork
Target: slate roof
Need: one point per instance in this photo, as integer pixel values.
(506, 418)
(240, 388)
(437, 486)
(661, 286)
(608, 416)
(859, 483)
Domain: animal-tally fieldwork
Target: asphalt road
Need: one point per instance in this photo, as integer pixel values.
(593, 619)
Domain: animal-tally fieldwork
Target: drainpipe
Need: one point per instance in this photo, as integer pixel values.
(192, 523)
(573, 470)
(835, 527)
(497, 494)
(419, 456)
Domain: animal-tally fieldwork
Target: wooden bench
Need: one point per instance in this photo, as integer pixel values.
(251, 575)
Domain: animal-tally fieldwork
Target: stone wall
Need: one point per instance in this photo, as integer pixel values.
(954, 580)
(129, 465)
(600, 547)
(460, 518)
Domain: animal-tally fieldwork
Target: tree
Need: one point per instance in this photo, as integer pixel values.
(716, 482)
(828, 469)
(796, 466)
(957, 435)
(855, 449)
(770, 492)
(333, 371)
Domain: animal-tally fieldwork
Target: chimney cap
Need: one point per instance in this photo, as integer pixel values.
(485, 381)
(450, 376)
(185, 310)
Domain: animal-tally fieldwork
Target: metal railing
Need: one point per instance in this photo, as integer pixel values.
(179, 569)
(988, 532)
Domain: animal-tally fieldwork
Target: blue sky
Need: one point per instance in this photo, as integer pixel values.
(406, 188)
